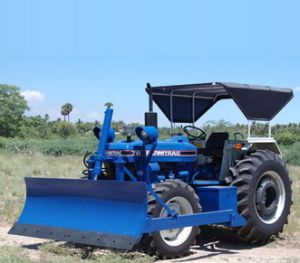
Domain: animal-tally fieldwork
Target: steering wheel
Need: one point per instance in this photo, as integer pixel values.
(194, 133)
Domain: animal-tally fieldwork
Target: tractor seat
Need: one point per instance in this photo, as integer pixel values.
(215, 144)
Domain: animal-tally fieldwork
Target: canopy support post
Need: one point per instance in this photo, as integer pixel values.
(171, 110)
(249, 129)
(150, 97)
(193, 109)
(270, 129)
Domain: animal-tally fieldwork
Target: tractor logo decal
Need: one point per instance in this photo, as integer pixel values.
(163, 153)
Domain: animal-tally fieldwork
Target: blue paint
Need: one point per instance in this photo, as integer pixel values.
(219, 206)
(107, 134)
(86, 205)
(147, 134)
(227, 217)
(205, 182)
(165, 151)
(216, 198)
(130, 175)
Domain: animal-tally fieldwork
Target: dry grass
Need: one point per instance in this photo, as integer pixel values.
(12, 254)
(13, 168)
(92, 254)
(54, 253)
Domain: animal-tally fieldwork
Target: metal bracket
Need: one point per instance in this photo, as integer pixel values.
(131, 176)
(170, 211)
(269, 129)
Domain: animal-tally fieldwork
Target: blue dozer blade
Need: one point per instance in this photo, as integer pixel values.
(100, 213)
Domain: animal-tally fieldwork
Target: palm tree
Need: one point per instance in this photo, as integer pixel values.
(47, 117)
(66, 109)
(63, 112)
(108, 104)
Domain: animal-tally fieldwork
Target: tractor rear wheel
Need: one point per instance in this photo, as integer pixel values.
(171, 243)
(264, 195)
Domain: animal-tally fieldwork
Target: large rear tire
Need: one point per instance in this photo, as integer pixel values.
(172, 243)
(264, 195)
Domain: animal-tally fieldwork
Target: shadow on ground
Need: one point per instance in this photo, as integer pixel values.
(216, 241)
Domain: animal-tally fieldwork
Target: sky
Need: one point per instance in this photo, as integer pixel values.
(91, 52)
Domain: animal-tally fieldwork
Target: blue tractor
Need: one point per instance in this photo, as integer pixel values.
(154, 194)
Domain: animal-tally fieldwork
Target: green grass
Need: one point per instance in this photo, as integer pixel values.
(292, 154)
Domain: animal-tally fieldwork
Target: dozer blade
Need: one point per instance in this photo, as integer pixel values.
(101, 213)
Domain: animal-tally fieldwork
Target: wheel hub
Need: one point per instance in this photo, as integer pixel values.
(267, 197)
(177, 236)
(270, 197)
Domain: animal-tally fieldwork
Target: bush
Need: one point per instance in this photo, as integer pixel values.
(292, 155)
(287, 138)
(54, 147)
(64, 129)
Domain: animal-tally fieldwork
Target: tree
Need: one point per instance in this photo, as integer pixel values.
(47, 117)
(108, 104)
(35, 127)
(66, 109)
(63, 112)
(12, 109)
(64, 129)
(85, 127)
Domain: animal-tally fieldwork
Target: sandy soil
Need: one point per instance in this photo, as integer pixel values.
(215, 251)
(221, 252)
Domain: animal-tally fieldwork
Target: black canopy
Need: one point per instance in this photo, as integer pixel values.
(187, 103)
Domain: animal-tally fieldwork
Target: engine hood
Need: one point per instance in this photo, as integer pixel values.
(174, 149)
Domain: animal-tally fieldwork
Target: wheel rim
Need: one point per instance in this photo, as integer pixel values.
(177, 236)
(270, 197)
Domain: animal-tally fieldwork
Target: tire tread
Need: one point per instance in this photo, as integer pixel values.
(245, 169)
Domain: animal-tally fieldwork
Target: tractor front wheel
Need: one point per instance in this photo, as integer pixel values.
(172, 243)
(264, 195)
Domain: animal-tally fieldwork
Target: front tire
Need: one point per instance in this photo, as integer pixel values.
(264, 195)
(172, 243)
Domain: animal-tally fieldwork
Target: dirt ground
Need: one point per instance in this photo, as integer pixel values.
(218, 250)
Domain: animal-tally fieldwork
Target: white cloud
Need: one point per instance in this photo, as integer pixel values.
(297, 89)
(93, 115)
(33, 95)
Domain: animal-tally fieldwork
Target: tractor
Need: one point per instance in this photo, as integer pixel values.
(154, 195)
